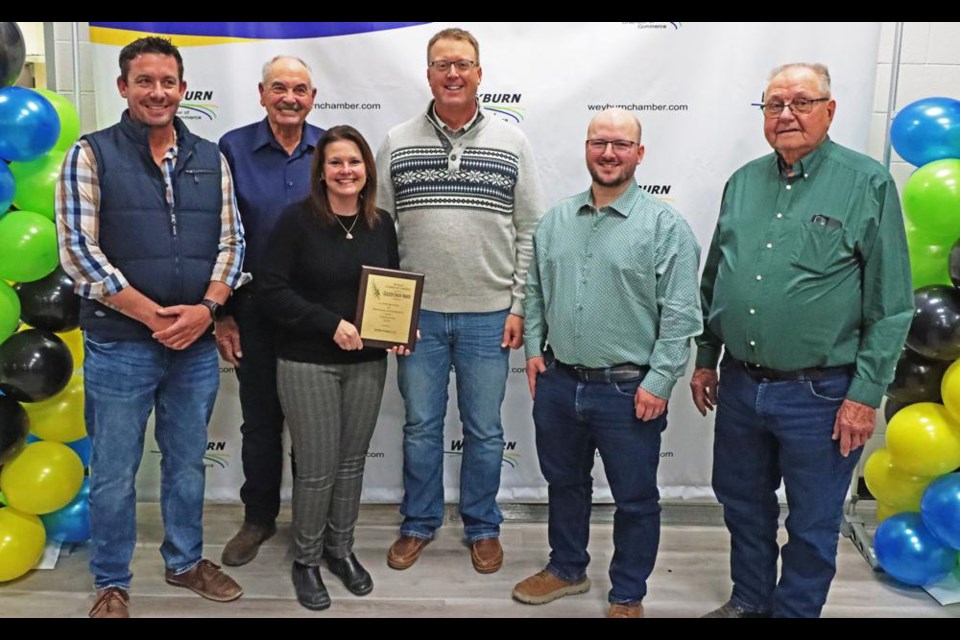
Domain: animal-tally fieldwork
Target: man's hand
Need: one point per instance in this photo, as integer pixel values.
(535, 366)
(228, 340)
(648, 405)
(854, 426)
(513, 332)
(703, 386)
(347, 337)
(190, 322)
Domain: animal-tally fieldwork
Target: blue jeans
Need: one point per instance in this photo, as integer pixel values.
(471, 343)
(767, 431)
(123, 382)
(574, 420)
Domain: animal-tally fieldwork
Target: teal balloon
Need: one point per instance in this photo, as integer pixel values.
(908, 551)
(927, 130)
(28, 246)
(71, 523)
(36, 183)
(7, 188)
(931, 201)
(9, 311)
(29, 126)
(69, 119)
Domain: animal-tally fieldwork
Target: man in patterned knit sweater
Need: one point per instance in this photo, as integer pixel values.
(464, 190)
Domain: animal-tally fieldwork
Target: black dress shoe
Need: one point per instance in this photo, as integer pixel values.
(311, 592)
(355, 578)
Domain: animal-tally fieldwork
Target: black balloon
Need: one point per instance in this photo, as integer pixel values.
(13, 52)
(955, 264)
(14, 427)
(34, 365)
(50, 303)
(917, 378)
(935, 330)
(891, 407)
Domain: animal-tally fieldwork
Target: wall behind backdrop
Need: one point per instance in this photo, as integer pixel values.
(691, 85)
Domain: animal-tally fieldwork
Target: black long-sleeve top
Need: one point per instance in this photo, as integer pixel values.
(309, 280)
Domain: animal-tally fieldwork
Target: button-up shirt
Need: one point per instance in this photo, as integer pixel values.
(808, 268)
(267, 179)
(615, 285)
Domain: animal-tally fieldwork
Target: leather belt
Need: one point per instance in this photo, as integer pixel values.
(814, 373)
(616, 373)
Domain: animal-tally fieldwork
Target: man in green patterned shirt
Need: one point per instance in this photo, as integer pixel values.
(807, 286)
(610, 309)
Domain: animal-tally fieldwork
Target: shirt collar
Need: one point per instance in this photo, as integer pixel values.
(432, 115)
(809, 163)
(622, 205)
(263, 136)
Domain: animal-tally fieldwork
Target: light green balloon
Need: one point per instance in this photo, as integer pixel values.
(931, 200)
(69, 119)
(35, 183)
(929, 264)
(9, 311)
(28, 246)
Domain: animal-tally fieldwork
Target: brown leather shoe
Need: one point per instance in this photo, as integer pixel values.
(243, 547)
(487, 555)
(405, 551)
(208, 580)
(625, 611)
(545, 587)
(112, 602)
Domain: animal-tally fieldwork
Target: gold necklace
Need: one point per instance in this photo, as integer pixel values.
(347, 231)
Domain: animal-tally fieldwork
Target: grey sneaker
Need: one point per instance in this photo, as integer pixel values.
(732, 610)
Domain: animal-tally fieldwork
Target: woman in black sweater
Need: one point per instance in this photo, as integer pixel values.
(330, 385)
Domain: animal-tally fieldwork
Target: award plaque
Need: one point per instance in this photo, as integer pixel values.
(388, 307)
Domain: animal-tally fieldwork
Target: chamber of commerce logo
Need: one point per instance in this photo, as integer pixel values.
(197, 105)
(511, 457)
(504, 105)
(660, 190)
(656, 25)
(213, 455)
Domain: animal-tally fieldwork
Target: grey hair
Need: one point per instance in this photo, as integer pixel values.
(820, 70)
(267, 65)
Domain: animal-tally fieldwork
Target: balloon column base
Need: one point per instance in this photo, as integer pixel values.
(852, 527)
(947, 591)
(51, 553)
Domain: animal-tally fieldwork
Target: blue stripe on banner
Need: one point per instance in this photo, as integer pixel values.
(258, 30)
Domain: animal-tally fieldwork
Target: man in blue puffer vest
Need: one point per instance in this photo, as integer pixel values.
(148, 230)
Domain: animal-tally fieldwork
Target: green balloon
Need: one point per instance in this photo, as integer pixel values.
(929, 264)
(69, 119)
(9, 311)
(35, 183)
(28, 246)
(931, 200)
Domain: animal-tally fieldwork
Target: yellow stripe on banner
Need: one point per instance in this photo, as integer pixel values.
(122, 37)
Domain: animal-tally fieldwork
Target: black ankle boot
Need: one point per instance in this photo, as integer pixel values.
(311, 592)
(355, 578)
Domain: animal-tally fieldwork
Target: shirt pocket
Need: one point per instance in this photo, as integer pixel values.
(820, 248)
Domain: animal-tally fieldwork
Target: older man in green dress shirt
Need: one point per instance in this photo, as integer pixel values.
(807, 286)
(610, 309)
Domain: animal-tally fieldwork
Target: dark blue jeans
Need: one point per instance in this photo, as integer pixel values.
(573, 421)
(768, 431)
(124, 381)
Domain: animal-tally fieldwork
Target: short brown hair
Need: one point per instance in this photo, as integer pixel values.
(150, 44)
(454, 33)
(319, 204)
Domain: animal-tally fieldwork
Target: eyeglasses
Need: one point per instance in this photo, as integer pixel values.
(444, 65)
(797, 105)
(597, 145)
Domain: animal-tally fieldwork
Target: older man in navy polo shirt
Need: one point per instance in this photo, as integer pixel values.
(270, 161)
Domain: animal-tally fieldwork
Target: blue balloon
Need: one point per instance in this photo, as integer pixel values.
(927, 130)
(31, 438)
(908, 551)
(29, 125)
(940, 509)
(72, 523)
(7, 188)
(83, 448)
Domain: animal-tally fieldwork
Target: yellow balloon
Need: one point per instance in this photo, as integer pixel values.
(890, 485)
(950, 390)
(60, 418)
(924, 440)
(74, 342)
(22, 538)
(884, 511)
(42, 478)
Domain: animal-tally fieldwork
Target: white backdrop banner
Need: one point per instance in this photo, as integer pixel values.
(691, 84)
